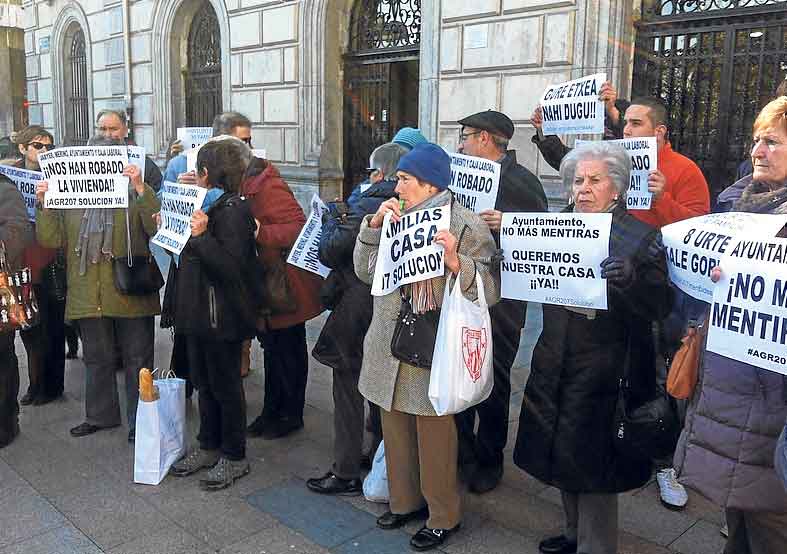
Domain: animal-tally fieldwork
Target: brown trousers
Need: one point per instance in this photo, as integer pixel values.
(421, 459)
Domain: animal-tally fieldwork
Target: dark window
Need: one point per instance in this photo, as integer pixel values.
(203, 74)
(77, 102)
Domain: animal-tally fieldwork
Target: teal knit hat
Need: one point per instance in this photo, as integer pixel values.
(409, 138)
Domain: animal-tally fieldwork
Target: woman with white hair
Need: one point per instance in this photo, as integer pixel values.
(565, 436)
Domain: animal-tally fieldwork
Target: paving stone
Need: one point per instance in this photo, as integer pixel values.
(643, 517)
(515, 510)
(631, 544)
(277, 539)
(377, 541)
(491, 538)
(702, 538)
(26, 517)
(61, 540)
(169, 540)
(12, 484)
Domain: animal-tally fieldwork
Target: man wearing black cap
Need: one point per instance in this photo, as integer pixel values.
(486, 135)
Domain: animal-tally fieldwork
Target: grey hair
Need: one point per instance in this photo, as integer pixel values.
(501, 143)
(242, 149)
(120, 114)
(386, 158)
(101, 140)
(226, 122)
(613, 155)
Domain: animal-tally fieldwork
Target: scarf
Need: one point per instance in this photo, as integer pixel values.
(95, 237)
(761, 198)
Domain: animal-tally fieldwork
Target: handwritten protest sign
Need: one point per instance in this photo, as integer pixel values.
(695, 246)
(574, 108)
(178, 203)
(555, 258)
(474, 182)
(192, 137)
(25, 181)
(305, 253)
(407, 252)
(644, 159)
(136, 156)
(748, 318)
(85, 177)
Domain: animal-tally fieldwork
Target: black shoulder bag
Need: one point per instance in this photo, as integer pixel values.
(414, 336)
(136, 275)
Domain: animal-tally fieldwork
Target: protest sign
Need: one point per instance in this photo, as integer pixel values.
(25, 181)
(191, 159)
(695, 246)
(574, 108)
(178, 202)
(474, 182)
(192, 137)
(305, 253)
(748, 317)
(136, 156)
(407, 252)
(260, 153)
(644, 159)
(85, 177)
(555, 258)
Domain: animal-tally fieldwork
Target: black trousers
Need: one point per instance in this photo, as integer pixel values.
(286, 372)
(9, 389)
(45, 347)
(215, 366)
(486, 447)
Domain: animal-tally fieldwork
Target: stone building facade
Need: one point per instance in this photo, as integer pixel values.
(285, 64)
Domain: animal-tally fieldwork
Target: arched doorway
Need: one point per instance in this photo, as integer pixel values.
(78, 124)
(715, 65)
(381, 73)
(202, 77)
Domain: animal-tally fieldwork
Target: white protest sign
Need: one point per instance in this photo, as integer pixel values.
(555, 258)
(748, 317)
(136, 156)
(191, 159)
(305, 253)
(259, 153)
(574, 108)
(85, 177)
(192, 137)
(25, 180)
(178, 202)
(695, 246)
(474, 182)
(407, 252)
(644, 159)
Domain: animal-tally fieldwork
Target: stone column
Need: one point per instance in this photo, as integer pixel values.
(12, 79)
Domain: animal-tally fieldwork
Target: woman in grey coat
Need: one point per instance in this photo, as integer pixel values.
(420, 447)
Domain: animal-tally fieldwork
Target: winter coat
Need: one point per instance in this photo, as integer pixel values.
(780, 457)
(15, 230)
(381, 371)
(281, 220)
(346, 326)
(94, 294)
(565, 436)
(209, 297)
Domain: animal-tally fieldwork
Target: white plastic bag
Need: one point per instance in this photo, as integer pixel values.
(461, 373)
(160, 440)
(375, 486)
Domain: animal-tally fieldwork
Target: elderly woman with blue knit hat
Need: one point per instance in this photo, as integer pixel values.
(420, 446)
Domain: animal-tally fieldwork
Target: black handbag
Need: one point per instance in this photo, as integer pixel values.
(54, 278)
(414, 336)
(137, 275)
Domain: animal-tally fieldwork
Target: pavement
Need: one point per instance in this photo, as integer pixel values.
(63, 495)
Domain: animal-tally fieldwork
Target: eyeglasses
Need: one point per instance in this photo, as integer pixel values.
(371, 170)
(463, 136)
(41, 145)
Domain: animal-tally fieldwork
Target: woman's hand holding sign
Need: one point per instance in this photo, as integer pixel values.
(135, 177)
(448, 241)
(41, 189)
(618, 270)
(391, 205)
(199, 223)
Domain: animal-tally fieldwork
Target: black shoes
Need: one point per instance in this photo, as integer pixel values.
(427, 539)
(258, 426)
(132, 435)
(389, 520)
(558, 545)
(38, 399)
(331, 484)
(27, 399)
(485, 478)
(84, 429)
(281, 428)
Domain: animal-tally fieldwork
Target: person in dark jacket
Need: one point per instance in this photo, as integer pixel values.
(211, 302)
(565, 436)
(486, 135)
(16, 233)
(339, 344)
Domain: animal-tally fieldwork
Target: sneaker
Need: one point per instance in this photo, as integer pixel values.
(725, 531)
(331, 484)
(225, 473)
(673, 494)
(195, 461)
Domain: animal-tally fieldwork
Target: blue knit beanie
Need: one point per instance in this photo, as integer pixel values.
(429, 163)
(409, 138)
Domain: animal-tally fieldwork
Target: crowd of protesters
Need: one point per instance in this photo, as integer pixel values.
(250, 219)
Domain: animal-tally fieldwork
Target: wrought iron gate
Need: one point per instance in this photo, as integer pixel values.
(381, 79)
(203, 76)
(715, 64)
(78, 120)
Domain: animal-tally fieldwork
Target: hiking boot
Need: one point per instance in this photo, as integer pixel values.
(195, 461)
(225, 473)
(673, 495)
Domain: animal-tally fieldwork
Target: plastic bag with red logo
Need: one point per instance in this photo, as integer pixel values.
(462, 363)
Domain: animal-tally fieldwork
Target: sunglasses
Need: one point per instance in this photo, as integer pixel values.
(41, 145)
(247, 140)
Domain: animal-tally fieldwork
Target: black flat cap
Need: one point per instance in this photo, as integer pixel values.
(491, 121)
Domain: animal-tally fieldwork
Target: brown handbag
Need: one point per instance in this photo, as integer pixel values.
(684, 369)
(277, 296)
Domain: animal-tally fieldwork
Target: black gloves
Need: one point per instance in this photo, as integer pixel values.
(618, 271)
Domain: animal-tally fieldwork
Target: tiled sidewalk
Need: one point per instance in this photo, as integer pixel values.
(61, 495)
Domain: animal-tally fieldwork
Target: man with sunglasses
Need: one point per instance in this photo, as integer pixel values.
(113, 124)
(487, 135)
